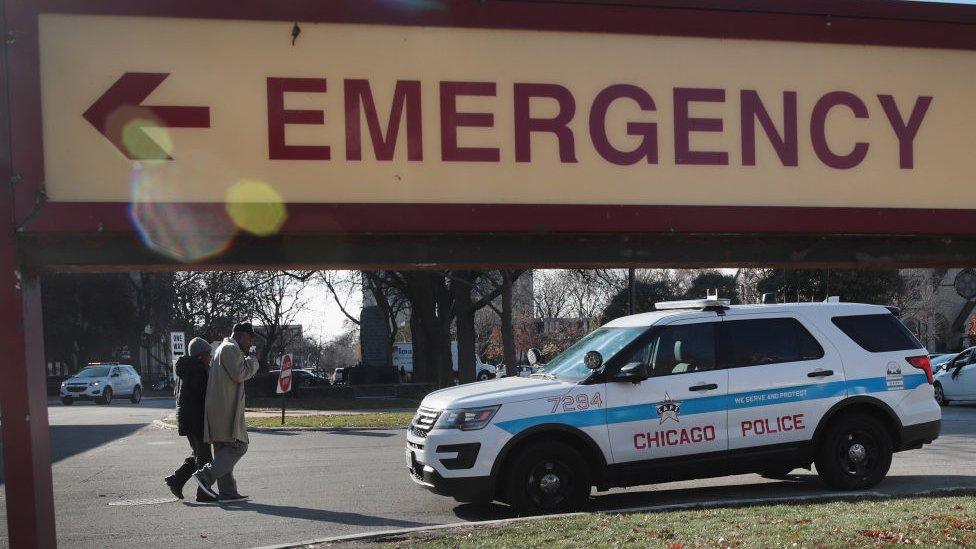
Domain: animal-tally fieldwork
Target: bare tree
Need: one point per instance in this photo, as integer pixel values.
(551, 299)
(207, 304)
(277, 301)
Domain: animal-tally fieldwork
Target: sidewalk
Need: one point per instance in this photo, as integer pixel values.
(388, 418)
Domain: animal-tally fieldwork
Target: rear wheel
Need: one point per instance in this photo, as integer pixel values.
(67, 401)
(136, 395)
(940, 394)
(484, 375)
(548, 477)
(854, 453)
(106, 396)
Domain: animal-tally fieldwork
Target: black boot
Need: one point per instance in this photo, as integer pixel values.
(179, 478)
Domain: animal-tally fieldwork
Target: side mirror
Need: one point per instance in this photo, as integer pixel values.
(593, 360)
(534, 356)
(635, 372)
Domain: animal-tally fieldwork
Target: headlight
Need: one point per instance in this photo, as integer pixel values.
(63, 383)
(467, 419)
(95, 384)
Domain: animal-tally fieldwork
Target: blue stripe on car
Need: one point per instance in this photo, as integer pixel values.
(704, 405)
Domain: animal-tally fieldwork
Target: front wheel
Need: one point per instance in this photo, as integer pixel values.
(136, 395)
(548, 477)
(106, 396)
(940, 394)
(484, 375)
(854, 453)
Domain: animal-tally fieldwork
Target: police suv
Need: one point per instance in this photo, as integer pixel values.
(694, 389)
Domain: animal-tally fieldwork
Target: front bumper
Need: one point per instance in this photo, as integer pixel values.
(90, 393)
(462, 489)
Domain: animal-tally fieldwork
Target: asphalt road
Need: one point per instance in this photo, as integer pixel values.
(109, 462)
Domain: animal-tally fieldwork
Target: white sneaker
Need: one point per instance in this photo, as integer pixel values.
(203, 485)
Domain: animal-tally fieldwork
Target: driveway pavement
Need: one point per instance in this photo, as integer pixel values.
(109, 462)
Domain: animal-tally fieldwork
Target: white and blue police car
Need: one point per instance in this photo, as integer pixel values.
(694, 389)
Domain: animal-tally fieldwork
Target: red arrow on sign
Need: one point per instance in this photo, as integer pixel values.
(120, 116)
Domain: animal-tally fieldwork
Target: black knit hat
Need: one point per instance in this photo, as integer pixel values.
(243, 327)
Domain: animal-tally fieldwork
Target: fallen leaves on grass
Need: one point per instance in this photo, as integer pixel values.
(888, 537)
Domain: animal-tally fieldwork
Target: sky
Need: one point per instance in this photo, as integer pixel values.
(321, 318)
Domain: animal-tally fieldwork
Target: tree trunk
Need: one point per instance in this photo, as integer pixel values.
(419, 344)
(461, 284)
(508, 330)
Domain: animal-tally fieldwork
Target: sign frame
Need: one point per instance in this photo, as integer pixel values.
(88, 236)
(831, 21)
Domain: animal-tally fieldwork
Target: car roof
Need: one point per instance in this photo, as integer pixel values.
(830, 309)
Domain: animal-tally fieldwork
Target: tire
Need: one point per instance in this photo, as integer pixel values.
(484, 375)
(67, 401)
(940, 394)
(136, 397)
(854, 452)
(106, 397)
(548, 477)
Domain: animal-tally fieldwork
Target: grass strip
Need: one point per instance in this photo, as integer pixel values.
(377, 420)
(271, 404)
(924, 521)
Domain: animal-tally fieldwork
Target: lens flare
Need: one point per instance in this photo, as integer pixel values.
(136, 139)
(185, 232)
(256, 207)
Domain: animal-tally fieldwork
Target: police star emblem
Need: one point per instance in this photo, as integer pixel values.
(669, 409)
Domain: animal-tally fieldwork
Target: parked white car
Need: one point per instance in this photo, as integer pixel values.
(102, 383)
(695, 389)
(939, 362)
(956, 381)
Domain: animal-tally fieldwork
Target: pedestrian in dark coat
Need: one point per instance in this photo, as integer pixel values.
(193, 372)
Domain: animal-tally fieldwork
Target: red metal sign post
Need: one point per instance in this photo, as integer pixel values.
(23, 393)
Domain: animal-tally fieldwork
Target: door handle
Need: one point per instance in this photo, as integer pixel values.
(703, 387)
(821, 373)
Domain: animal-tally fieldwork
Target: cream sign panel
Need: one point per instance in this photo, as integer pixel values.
(389, 114)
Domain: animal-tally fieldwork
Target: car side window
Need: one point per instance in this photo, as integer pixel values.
(757, 342)
(677, 349)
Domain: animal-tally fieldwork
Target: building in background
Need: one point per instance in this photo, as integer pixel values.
(935, 311)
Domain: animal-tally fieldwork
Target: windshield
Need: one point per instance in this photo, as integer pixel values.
(100, 371)
(608, 341)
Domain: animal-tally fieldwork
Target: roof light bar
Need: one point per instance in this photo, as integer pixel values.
(693, 304)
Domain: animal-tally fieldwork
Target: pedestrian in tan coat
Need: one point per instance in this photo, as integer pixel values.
(223, 423)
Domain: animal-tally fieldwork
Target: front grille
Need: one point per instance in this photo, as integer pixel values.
(423, 422)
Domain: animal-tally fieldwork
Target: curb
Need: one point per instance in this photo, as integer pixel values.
(710, 504)
(172, 426)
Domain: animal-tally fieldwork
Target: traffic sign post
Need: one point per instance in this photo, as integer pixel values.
(284, 382)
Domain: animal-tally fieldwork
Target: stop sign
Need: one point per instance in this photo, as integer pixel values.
(284, 378)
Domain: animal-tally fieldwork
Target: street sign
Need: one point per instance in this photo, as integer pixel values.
(177, 344)
(495, 116)
(284, 378)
